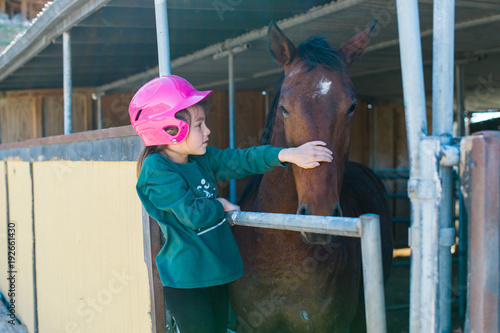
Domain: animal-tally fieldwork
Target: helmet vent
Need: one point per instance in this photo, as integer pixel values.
(138, 115)
(172, 130)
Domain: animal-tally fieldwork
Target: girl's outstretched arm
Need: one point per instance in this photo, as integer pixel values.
(307, 156)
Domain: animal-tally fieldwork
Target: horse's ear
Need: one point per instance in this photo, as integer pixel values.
(354, 47)
(281, 48)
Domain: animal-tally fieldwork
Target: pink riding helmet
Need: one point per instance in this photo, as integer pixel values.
(154, 105)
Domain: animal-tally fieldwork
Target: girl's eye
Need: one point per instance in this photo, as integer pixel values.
(351, 109)
(285, 112)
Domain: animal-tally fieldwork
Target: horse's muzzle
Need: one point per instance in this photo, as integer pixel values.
(318, 239)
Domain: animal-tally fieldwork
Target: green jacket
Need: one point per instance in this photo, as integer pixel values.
(200, 249)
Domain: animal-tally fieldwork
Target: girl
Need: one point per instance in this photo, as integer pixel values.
(177, 186)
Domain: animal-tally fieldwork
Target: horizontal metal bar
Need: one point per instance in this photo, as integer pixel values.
(407, 262)
(234, 50)
(341, 226)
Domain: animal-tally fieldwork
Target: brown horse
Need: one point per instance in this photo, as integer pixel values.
(308, 282)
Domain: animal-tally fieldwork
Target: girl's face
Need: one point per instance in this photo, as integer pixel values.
(196, 141)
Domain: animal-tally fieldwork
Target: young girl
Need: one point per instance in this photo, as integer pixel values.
(177, 186)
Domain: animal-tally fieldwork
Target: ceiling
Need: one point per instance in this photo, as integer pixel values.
(114, 44)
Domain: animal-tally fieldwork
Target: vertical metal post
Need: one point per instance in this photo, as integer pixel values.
(413, 76)
(463, 235)
(442, 127)
(373, 275)
(67, 84)
(460, 99)
(374, 139)
(463, 244)
(416, 128)
(162, 37)
(429, 195)
(266, 101)
(442, 69)
(232, 182)
(99, 111)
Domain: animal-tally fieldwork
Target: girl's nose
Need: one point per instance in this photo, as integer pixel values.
(207, 131)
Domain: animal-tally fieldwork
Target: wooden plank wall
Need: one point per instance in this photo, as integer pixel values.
(115, 109)
(250, 114)
(91, 273)
(38, 113)
(379, 141)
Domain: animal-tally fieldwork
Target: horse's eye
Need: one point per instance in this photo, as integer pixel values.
(285, 112)
(351, 109)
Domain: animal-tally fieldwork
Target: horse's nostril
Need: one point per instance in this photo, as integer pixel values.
(337, 211)
(303, 210)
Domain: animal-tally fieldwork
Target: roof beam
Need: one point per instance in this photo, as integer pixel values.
(468, 58)
(60, 16)
(109, 17)
(290, 6)
(99, 50)
(429, 32)
(130, 3)
(111, 36)
(469, 4)
(78, 70)
(85, 61)
(313, 14)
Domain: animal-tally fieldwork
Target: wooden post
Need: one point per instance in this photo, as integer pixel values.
(2, 6)
(152, 245)
(24, 10)
(480, 185)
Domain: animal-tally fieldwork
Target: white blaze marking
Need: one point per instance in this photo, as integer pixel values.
(324, 86)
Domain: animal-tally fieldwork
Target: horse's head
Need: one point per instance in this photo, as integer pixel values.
(317, 102)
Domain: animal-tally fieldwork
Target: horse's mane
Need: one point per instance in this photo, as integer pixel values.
(314, 51)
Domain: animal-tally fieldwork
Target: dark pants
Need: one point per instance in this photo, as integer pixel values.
(199, 310)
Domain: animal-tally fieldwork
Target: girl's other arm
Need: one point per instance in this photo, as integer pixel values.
(228, 205)
(169, 192)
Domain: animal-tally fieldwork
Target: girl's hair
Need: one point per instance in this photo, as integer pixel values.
(172, 130)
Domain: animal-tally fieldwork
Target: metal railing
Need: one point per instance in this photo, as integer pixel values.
(366, 227)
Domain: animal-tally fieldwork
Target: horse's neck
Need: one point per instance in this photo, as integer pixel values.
(277, 192)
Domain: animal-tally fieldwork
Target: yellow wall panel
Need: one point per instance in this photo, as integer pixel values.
(21, 217)
(4, 286)
(91, 274)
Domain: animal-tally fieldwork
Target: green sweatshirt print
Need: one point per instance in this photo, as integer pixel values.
(200, 249)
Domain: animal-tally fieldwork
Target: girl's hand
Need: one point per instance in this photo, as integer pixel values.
(307, 156)
(228, 206)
